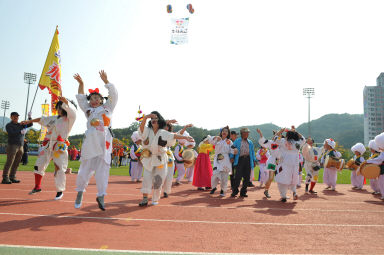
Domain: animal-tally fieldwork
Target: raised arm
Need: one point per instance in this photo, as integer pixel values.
(185, 128)
(78, 78)
(112, 92)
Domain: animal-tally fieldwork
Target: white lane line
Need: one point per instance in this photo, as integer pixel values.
(208, 206)
(195, 221)
(138, 251)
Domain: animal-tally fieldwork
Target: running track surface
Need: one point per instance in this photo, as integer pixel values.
(333, 222)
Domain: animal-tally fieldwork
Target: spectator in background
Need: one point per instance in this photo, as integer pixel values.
(16, 133)
(24, 159)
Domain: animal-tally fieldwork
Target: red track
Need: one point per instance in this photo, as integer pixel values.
(345, 221)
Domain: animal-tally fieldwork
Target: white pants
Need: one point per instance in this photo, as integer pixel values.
(189, 174)
(221, 177)
(283, 188)
(60, 161)
(311, 175)
(330, 177)
(357, 180)
(180, 171)
(374, 183)
(136, 170)
(154, 178)
(264, 174)
(300, 178)
(169, 178)
(92, 166)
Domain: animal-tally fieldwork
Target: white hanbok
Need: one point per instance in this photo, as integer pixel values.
(135, 164)
(170, 171)
(222, 166)
(55, 145)
(357, 180)
(330, 173)
(155, 166)
(97, 145)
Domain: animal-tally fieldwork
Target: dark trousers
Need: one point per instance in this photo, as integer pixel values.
(14, 154)
(232, 177)
(243, 171)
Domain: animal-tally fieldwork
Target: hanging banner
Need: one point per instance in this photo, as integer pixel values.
(179, 31)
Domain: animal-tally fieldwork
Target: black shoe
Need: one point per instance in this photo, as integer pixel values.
(6, 181)
(165, 195)
(34, 191)
(59, 195)
(14, 180)
(283, 200)
(144, 202)
(243, 195)
(213, 191)
(208, 188)
(251, 184)
(100, 202)
(266, 193)
(221, 192)
(200, 188)
(313, 192)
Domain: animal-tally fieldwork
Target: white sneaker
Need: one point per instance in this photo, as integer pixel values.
(155, 202)
(333, 188)
(59, 195)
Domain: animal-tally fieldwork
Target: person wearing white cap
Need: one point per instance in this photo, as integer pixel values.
(178, 155)
(222, 165)
(190, 170)
(357, 181)
(330, 174)
(288, 170)
(379, 141)
(136, 167)
(311, 165)
(374, 183)
(273, 160)
(154, 156)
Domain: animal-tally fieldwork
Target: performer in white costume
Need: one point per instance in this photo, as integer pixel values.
(262, 156)
(136, 166)
(55, 146)
(357, 181)
(379, 141)
(190, 170)
(288, 170)
(273, 161)
(330, 174)
(222, 166)
(97, 145)
(312, 157)
(374, 183)
(155, 142)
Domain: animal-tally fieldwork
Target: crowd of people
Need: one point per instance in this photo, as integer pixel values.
(158, 153)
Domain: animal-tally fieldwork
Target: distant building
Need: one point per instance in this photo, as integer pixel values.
(374, 109)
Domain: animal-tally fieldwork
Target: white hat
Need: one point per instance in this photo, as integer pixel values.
(372, 145)
(183, 141)
(190, 143)
(359, 147)
(330, 142)
(135, 136)
(205, 139)
(379, 140)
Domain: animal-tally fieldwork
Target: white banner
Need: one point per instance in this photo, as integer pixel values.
(179, 32)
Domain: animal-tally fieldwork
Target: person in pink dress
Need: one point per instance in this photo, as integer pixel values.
(203, 168)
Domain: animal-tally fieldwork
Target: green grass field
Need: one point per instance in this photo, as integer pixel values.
(342, 178)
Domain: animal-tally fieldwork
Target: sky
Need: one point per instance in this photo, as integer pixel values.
(246, 62)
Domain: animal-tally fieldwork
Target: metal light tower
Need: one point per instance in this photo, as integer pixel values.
(309, 92)
(4, 105)
(29, 78)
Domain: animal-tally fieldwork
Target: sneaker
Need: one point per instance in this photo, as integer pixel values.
(13, 180)
(283, 200)
(266, 193)
(312, 192)
(213, 191)
(243, 195)
(79, 199)
(34, 191)
(59, 195)
(333, 189)
(6, 181)
(165, 195)
(100, 202)
(144, 202)
(222, 193)
(155, 202)
(233, 194)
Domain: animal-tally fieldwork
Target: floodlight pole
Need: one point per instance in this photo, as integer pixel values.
(5, 106)
(29, 78)
(308, 92)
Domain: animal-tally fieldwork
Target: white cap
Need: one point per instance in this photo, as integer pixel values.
(183, 141)
(330, 142)
(135, 136)
(359, 147)
(379, 140)
(372, 145)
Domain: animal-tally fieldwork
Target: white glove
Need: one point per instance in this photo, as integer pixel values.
(24, 131)
(30, 115)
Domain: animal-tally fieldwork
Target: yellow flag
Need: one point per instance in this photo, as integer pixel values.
(51, 75)
(45, 112)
